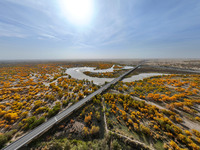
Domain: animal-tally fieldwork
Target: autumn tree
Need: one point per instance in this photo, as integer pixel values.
(85, 131)
(87, 119)
(94, 130)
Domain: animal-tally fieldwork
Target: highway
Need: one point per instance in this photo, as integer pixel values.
(59, 117)
(173, 68)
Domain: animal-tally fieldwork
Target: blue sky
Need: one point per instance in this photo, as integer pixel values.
(38, 29)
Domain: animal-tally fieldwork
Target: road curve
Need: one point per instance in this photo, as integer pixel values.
(59, 117)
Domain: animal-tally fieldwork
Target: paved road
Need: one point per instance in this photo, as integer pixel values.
(173, 68)
(59, 117)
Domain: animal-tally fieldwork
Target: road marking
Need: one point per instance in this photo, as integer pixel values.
(56, 119)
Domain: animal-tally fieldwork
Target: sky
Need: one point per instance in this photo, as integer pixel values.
(99, 29)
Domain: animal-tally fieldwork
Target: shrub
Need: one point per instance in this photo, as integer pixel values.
(3, 140)
(37, 123)
(55, 110)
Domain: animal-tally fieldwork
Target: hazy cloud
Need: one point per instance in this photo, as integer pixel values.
(131, 28)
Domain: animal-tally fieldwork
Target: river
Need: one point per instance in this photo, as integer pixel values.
(77, 73)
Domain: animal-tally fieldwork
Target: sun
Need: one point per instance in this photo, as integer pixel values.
(78, 12)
